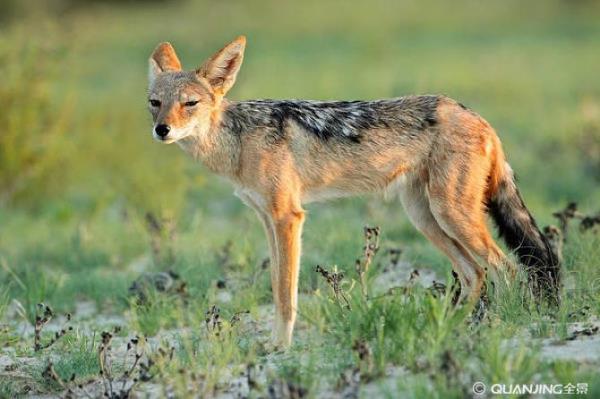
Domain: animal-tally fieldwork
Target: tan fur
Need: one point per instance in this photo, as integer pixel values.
(443, 178)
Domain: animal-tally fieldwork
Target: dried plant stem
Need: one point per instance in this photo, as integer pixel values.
(369, 250)
(334, 280)
(40, 322)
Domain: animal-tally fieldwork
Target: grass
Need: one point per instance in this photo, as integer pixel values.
(440, 350)
(73, 224)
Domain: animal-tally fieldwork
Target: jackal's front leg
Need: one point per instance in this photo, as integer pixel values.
(269, 229)
(288, 229)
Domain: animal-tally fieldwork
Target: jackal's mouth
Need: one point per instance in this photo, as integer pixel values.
(168, 139)
(164, 140)
(171, 137)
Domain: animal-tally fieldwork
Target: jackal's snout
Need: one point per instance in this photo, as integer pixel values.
(162, 130)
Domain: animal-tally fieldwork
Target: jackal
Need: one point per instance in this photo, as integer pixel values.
(441, 159)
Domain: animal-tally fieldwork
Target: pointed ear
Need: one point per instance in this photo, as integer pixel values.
(221, 69)
(163, 59)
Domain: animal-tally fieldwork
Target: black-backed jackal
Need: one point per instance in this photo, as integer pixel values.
(443, 160)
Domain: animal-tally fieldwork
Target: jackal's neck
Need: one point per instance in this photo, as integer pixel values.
(217, 147)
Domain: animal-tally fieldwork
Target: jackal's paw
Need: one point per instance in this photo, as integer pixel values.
(274, 347)
(282, 333)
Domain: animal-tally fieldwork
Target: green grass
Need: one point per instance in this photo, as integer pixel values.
(73, 231)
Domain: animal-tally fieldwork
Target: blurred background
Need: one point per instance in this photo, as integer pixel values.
(84, 186)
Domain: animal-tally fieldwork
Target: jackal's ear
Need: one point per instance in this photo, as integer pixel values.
(163, 59)
(221, 69)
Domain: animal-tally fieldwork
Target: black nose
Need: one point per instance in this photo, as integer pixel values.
(162, 130)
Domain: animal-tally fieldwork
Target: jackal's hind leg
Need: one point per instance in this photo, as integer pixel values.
(459, 210)
(478, 242)
(469, 273)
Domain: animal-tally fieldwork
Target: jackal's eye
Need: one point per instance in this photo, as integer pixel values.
(191, 103)
(154, 103)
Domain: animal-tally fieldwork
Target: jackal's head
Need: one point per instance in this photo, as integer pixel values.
(183, 103)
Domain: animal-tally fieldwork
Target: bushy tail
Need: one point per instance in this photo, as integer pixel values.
(522, 235)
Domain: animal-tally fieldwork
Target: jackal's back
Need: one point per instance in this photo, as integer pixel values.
(334, 120)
